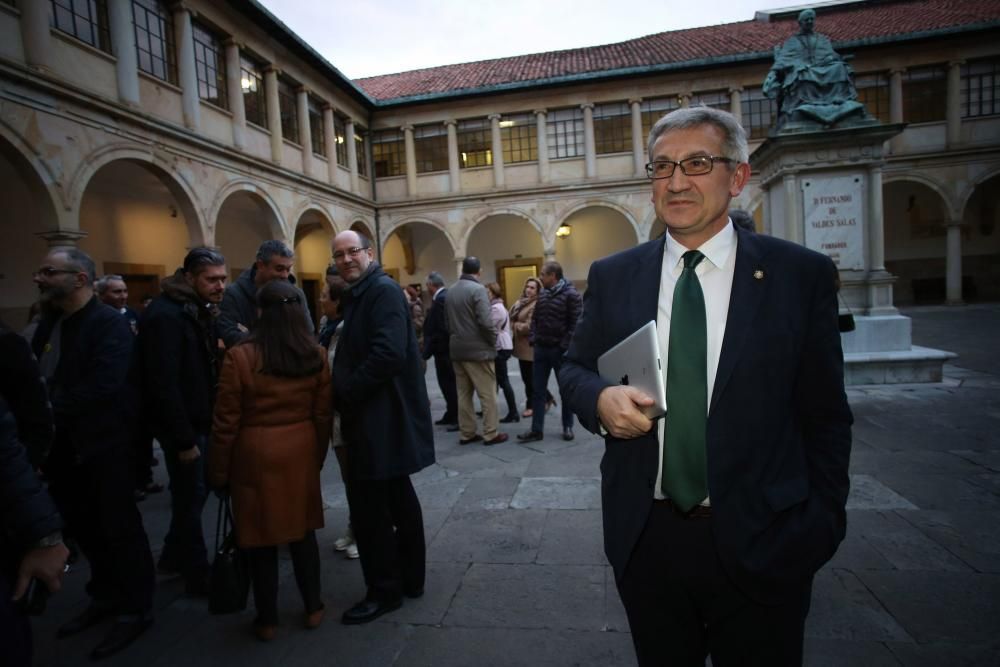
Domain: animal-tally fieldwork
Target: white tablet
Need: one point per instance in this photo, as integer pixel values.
(636, 362)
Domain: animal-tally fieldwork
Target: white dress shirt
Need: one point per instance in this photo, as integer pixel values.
(715, 273)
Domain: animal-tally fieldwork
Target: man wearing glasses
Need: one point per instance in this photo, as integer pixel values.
(84, 349)
(716, 516)
(379, 391)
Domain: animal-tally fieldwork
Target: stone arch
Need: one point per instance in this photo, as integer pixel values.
(425, 220)
(361, 226)
(947, 198)
(597, 229)
(462, 247)
(35, 170)
(309, 206)
(599, 203)
(510, 238)
(278, 226)
(916, 214)
(979, 236)
(414, 247)
(972, 187)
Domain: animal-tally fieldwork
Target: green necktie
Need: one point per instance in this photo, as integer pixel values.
(684, 470)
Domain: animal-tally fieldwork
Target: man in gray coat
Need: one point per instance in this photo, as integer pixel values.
(473, 347)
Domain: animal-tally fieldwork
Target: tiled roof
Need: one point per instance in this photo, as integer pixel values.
(844, 24)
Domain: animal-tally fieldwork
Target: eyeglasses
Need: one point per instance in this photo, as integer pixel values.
(698, 165)
(48, 272)
(353, 252)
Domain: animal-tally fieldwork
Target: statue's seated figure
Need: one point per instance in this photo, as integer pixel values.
(810, 81)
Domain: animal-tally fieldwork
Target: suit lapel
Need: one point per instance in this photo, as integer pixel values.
(749, 284)
(645, 288)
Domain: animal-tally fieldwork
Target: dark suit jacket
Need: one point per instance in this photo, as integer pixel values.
(779, 426)
(436, 327)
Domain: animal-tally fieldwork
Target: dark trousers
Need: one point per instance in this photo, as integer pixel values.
(15, 631)
(503, 380)
(142, 455)
(389, 528)
(264, 575)
(682, 606)
(446, 380)
(547, 360)
(527, 376)
(184, 545)
(97, 504)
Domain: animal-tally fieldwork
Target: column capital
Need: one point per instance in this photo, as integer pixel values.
(957, 62)
(303, 89)
(61, 237)
(897, 70)
(587, 105)
(328, 107)
(180, 7)
(269, 69)
(495, 116)
(406, 128)
(634, 100)
(232, 41)
(736, 89)
(540, 112)
(449, 121)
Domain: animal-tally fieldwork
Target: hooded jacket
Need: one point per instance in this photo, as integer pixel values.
(239, 306)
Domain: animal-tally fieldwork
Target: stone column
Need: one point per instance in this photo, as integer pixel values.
(497, 143)
(895, 106)
(589, 146)
(454, 172)
(953, 104)
(273, 112)
(62, 238)
(638, 149)
(305, 130)
(685, 100)
(736, 103)
(186, 72)
(330, 139)
(542, 143)
(411, 160)
(235, 93)
(953, 264)
(122, 43)
(876, 222)
(352, 153)
(793, 216)
(36, 36)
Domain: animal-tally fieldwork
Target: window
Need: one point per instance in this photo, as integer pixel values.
(981, 88)
(655, 109)
(252, 83)
(758, 112)
(475, 143)
(564, 131)
(316, 134)
(613, 128)
(154, 39)
(924, 92)
(717, 100)
(430, 143)
(519, 137)
(873, 92)
(388, 153)
(210, 65)
(340, 132)
(289, 114)
(359, 151)
(87, 20)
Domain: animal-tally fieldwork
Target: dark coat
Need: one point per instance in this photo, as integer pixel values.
(92, 402)
(239, 306)
(179, 371)
(378, 383)
(436, 327)
(22, 386)
(779, 426)
(555, 316)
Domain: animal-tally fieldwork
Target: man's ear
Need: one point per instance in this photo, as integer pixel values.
(740, 178)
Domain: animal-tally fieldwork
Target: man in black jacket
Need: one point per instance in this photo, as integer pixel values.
(84, 350)
(436, 345)
(378, 381)
(178, 349)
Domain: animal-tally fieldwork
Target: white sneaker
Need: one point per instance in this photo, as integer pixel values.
(352, 551)
(342, 543)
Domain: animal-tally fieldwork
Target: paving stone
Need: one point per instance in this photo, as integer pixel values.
(572, 537)
(973, 536)
(536, 596)
(489, 536)
(989, 459)
(836, 653)
(867, 493)
(442, 494)
(940, 606)
(443, 580)
(614, 611)
(918, 462)
(941, 492)
(842, 608)
(477, 461)
(582, 461)
(855, 552)
(979, 654)
(487, 493)
(563, 493)
(903, 545)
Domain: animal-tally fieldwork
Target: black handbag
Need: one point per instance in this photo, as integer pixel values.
(229, 581)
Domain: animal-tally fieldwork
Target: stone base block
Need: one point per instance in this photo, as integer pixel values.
(878, 333)
(918, 364)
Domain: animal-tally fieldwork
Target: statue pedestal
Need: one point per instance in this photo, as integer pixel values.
(823, 189)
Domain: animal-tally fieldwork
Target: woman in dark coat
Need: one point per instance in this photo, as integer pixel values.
(269, 440)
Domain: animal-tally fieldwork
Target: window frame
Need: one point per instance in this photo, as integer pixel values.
(925, 91)
(475, 143)
(876, 95)
(95, 19)
(317, 133)
(288, 111)
(340, 137)
(519, 137)
(654, 109)
(388, 148)
(612, 128)
(164, 43)
(252, 88)
(990, 67)
(204, 69)
(361, 156)
(564, 133)
(430, 147)
(754, 107)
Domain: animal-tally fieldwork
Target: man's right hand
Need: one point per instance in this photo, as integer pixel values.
(46, 564)
(618, 409)
(189, 455)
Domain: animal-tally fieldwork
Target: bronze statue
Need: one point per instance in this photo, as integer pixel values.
(811, 82)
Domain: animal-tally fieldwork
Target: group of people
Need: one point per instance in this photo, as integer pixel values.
(717, 514)
(471, 336)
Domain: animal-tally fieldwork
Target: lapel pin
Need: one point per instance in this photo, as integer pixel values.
(758, 274)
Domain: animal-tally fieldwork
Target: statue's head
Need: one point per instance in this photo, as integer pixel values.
(807, 20)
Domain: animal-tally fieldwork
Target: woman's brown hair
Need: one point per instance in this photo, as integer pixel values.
(287, 346)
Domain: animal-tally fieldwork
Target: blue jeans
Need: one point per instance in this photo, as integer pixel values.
(547, 359)
(184, 546)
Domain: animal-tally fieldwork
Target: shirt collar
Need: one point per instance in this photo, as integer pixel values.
(716, 250)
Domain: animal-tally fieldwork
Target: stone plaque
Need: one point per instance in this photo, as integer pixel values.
(834, 218)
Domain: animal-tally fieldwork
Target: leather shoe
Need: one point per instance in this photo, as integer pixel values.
(265, 633)
(530, 436)
(125, 631)
(510, 419)
(315, 618)
(467, 441)
(501, 437)
(367, 611)
(452, 428)
(567, 434)
(446, 421)
(91, 616)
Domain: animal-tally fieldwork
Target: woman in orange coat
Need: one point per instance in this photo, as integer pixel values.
(269, 440)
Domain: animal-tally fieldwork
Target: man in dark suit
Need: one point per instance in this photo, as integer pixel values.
(717, 516)
(436, 345)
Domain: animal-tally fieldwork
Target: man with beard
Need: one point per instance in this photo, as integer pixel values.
(378, 381)
(84, 349)
(178, 349)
